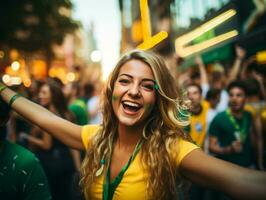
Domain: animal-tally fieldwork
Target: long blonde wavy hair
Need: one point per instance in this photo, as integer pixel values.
(160, 135)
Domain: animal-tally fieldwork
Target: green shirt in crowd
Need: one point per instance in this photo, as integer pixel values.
(222, 128)
(79, 109)
(21, 174)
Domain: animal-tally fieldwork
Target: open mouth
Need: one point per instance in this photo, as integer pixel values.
(234, 104)
(131, 107)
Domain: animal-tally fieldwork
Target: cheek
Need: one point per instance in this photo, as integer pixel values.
(114, 97)
(149, 103)
(115, 101)
(148, 108)
(118, 92)
(46, 100)
(242, 100)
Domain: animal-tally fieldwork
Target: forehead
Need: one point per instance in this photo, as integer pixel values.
(136, 69)
(68, 86)
(236, 90)
(45, 88)
(192, 89)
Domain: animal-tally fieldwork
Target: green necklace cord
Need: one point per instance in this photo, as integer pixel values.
(241, 132)
(109, 188)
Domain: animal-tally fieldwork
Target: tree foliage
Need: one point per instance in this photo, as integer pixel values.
(35, 25)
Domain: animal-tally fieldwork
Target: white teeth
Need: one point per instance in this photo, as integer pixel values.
(131, 104)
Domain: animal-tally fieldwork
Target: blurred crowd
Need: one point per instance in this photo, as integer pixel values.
(214, 91)
(228, 112)
(76, 102)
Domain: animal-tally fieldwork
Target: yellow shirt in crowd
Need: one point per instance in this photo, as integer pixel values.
(134, 183)
(198, 125)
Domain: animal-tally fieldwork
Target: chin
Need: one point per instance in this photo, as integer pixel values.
(235, 107)
(128, 122)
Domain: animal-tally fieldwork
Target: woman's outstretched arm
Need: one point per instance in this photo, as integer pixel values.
(67, 132)
(236, 181)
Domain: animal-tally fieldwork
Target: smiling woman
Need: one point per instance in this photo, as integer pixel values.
(140, 150)
(140, 111)
(134, 89)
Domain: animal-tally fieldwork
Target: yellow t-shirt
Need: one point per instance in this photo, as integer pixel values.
(198, 125)
(134, 182)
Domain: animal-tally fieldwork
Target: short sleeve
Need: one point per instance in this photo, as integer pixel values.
(185, 147)
(36, 184)
(214, 127)
(87, 133)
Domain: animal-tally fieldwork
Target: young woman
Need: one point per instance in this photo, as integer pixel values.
(140, 151)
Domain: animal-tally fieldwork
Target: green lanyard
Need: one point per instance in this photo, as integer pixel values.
(240, 132)
(109, 188)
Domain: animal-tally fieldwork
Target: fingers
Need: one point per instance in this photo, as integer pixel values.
(237, 146)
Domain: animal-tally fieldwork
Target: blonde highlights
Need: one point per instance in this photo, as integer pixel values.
(160, 135)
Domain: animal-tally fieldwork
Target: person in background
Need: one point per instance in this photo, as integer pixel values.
(21, 174)
(197, 128)
(212, 97)
(34, 89)
(140, 151)
(198, 109)
(88, 90)
(77, 106)
(18, 125)
(93, 105)
(218, 79)
(56, 158)
(232, 131)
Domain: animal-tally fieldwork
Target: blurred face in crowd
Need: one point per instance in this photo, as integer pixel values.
(237, 99)
(194, 95)
(133, 93)
(45, 95)
(214, 101)
(67, 90)
(218, 80)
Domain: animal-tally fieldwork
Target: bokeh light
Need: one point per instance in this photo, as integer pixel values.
(15, 66)
(96, 56)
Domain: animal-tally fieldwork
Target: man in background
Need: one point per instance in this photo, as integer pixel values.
(21, 174)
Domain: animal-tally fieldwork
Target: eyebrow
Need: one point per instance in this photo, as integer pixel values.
(144, 79)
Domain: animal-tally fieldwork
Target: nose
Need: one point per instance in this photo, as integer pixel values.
(134, 90)
(233, 97)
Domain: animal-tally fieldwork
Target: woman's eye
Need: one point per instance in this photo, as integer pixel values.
(123, 81)
(149, 87)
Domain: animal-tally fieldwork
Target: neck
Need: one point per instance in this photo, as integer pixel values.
(128, 137)
(237, 113)
(196, 110)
